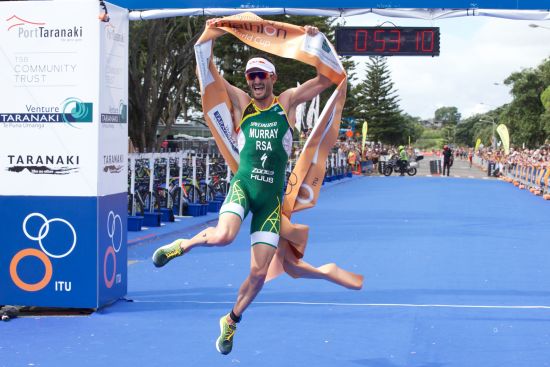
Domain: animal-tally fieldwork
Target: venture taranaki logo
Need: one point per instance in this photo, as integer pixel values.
(116, 115)
(71, 111)
(28, 29)
(43, 164)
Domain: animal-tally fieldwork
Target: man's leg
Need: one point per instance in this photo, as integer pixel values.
(259, 264)
(223, 234)
(401, 165)
(232, 213)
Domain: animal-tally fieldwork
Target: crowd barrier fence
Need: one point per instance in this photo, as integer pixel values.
(531, 177)
(163, 185)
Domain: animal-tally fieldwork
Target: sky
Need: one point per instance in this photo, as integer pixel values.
(477, 54)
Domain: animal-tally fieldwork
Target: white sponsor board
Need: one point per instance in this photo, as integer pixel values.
(113, 103)
(50, 72)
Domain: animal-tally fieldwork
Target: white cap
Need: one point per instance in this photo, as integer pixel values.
(260, 63)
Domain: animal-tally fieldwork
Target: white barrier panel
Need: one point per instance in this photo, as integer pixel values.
(63, 158)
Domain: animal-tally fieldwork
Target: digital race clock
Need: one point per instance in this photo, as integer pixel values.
(387, 41)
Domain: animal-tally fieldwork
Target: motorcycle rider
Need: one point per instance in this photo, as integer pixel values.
(403, 160)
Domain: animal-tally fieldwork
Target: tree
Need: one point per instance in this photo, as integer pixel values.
(162, 82)
(377, 103)
(413, 129)
(162, 79)
(447, 116)
(525, 115)
(465, 132)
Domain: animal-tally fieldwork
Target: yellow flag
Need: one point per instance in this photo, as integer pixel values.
(477, 144)
(504, 137)
(365, 128)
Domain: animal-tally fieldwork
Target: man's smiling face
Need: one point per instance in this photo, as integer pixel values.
(260, 83)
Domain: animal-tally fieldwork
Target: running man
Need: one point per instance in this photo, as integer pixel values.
(265, 143)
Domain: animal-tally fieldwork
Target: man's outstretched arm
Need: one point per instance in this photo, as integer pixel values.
(308, 90)
(239, 98)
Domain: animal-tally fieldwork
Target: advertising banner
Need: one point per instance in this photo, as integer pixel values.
(113, 104)
(330, 4)
(49, 108)
(63, 154)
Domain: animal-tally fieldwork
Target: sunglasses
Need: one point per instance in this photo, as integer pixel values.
(257, 74)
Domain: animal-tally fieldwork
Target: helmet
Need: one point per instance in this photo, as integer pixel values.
(401, 147)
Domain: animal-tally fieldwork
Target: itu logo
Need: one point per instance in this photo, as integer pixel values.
(114, 232)
(43, 254)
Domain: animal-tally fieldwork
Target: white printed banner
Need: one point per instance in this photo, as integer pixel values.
(113, 103)
(50, 72)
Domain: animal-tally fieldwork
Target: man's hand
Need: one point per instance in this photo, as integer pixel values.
(311, 30)
(209, 22)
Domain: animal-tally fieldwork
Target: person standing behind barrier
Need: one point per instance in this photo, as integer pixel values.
(403, 160)
(352, 159)
(447, 160)
(265, 140)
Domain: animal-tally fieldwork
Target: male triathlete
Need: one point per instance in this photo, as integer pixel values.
(265, 142)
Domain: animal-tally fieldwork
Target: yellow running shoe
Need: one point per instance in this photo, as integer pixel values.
(166, 253)
(224, 344)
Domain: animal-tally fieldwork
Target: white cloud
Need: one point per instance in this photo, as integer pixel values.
(477, 54)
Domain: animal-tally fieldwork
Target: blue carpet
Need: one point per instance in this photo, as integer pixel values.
(456, 274)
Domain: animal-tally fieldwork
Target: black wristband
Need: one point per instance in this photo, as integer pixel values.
(234, 317)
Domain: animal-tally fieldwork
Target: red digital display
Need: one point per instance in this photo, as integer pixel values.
(387, 41)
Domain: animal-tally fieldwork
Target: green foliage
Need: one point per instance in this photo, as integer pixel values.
(525, 116)
(447, 116)
(162, 83)
(413, 128)
(430, 139)
(377, 103)
(545, 98)
(432, 134)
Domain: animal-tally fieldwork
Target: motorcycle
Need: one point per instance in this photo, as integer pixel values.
(410, 169)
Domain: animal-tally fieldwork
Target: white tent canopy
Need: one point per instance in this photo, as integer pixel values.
(427, 14)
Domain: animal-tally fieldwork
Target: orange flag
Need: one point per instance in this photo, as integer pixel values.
(305, 181)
